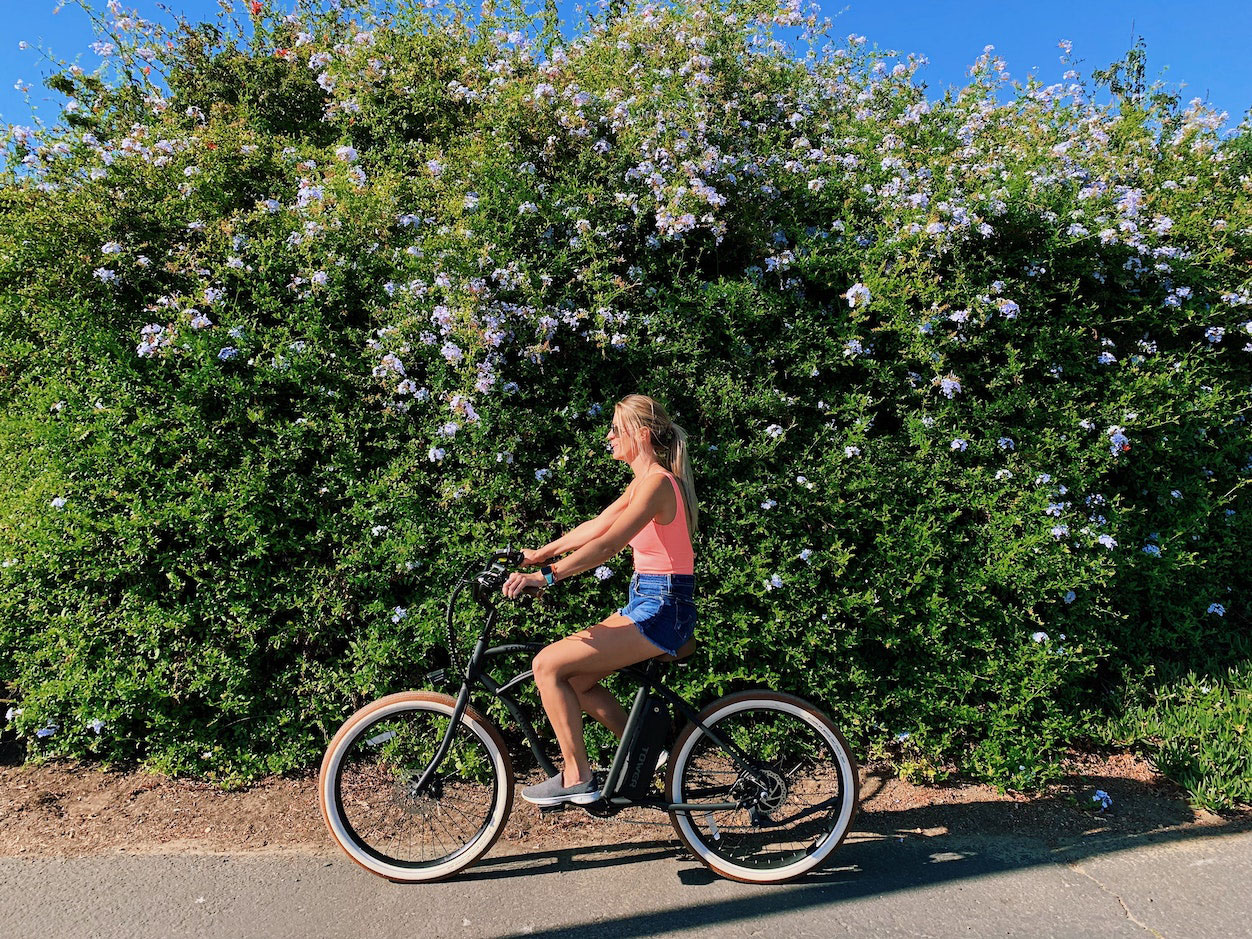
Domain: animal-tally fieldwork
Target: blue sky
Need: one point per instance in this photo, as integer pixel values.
(1201, 45)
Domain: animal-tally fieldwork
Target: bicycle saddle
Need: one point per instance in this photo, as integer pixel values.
(688, 648)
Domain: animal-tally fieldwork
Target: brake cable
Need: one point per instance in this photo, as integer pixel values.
(452, 654)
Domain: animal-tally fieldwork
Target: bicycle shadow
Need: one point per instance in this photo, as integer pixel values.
(562, 860)
(889, 851)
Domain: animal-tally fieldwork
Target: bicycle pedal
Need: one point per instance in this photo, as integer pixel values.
(549, 809)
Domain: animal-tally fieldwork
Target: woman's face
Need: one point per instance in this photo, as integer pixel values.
(623, 443)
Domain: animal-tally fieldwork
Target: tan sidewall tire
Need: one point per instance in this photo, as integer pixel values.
(681, 822)
(445, 704)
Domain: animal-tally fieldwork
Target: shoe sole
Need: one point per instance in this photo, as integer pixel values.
(581, 798)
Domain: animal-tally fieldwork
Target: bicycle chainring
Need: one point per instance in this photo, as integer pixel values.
(600, 808)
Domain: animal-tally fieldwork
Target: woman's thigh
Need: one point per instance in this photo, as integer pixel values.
(590, 654)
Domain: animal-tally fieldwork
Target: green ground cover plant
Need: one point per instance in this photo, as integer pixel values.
(348, 301)
(1195, 728)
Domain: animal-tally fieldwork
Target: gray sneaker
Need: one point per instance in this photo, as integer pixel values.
(553, 792)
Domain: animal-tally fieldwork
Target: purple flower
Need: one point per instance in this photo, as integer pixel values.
(857, 295)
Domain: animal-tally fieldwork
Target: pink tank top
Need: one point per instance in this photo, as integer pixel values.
(665, 549)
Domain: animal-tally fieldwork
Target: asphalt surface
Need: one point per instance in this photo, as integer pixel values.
(1182, 883)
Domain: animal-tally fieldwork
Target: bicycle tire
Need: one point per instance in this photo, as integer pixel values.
(441, 811)
(736, 844)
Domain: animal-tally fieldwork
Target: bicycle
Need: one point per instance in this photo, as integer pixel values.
(760, 785)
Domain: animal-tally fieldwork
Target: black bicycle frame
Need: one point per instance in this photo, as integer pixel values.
(649, 681)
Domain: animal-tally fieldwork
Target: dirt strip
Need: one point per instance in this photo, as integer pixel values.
(66, 809)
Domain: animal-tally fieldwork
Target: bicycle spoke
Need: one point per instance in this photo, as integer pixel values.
(377, 775)
(791, 793)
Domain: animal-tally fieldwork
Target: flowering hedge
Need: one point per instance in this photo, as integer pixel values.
(967, 381)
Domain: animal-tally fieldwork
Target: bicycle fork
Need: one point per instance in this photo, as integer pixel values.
(458, 710)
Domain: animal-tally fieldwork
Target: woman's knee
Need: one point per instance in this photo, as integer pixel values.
(546, 665)
(539, 666)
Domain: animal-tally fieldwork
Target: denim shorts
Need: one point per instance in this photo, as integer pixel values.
(663, 606)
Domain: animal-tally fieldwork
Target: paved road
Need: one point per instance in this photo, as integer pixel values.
(1176, 884)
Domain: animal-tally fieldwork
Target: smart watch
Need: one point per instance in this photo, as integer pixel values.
(547, 575)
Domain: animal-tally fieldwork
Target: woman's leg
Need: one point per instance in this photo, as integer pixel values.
(605, 647)
(598, 702)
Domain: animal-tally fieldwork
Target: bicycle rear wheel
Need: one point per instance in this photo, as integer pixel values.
(796, 799)
(367, 788)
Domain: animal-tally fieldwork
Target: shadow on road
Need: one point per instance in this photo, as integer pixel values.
(888, 851)
(561, 860)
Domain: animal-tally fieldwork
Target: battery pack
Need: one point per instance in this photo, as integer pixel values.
(654, 730)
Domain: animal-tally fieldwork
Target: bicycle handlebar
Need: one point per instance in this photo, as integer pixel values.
(484, 588)
(489, 581)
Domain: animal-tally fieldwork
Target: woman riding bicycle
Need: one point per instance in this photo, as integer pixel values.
(657, 517)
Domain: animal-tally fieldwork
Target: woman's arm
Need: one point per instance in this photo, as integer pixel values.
(648, 502)
(587, 531)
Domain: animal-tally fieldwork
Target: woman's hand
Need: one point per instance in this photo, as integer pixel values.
(532, 558)
(519, 583)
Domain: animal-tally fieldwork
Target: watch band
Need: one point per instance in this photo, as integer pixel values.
(547, 575)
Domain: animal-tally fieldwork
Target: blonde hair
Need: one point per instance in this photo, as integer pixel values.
(669, 446)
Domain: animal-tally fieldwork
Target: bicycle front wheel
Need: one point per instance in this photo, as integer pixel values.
(369, 797)
(796, 793)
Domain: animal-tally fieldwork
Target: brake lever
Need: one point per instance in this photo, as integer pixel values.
(488, 582)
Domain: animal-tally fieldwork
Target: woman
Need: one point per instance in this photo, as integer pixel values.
(656, 516)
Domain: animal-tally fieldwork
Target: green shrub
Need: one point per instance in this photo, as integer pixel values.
(1195, 730)
(955, 372)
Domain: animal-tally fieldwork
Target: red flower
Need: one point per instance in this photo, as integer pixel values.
(255, 6)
